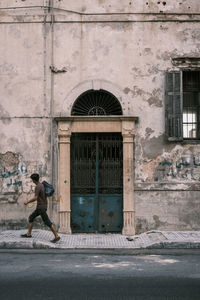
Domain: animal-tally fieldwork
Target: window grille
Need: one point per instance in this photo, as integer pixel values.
(191, 102)
(96, 103)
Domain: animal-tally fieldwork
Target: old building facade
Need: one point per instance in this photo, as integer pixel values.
(102, 98)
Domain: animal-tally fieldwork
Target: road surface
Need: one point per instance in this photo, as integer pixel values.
(28, 276)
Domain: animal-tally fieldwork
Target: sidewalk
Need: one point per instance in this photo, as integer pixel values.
(10, 239)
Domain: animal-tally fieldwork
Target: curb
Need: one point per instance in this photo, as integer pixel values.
(32, 244)
(109, 251)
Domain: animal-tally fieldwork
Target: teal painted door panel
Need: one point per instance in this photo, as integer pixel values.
(82, 213)
(110, 213)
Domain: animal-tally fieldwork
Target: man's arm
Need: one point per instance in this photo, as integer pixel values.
(31, 200)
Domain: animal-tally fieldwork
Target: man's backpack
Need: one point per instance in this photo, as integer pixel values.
(48, 188)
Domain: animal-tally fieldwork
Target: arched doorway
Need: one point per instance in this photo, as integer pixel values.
(96, 168)
(95, 124)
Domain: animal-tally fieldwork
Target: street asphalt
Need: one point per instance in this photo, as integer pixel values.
(64, 276)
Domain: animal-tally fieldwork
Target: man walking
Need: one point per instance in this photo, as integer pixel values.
(41, 209)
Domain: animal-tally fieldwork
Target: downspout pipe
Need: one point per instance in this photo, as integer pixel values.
(49, 113)
(51, 10)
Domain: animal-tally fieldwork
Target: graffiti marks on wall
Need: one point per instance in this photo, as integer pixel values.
(10, 182)
(14, 176)
(187, 167)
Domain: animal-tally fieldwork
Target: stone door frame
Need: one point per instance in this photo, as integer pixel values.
(93, 124)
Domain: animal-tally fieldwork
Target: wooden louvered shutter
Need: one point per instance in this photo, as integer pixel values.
(174, 106)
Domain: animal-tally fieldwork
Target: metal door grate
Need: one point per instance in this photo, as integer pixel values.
(88, 150)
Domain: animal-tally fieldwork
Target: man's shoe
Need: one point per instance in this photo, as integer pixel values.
(26, 236)
(55, 240)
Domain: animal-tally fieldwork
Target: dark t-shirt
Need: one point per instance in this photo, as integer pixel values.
(40, 193)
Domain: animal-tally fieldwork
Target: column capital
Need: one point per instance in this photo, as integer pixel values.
(64, 129)
(128, 129)
(64, 132)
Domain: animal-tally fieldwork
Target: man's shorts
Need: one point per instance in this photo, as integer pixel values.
(43, 213)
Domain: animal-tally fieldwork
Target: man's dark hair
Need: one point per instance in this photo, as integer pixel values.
(35, 176)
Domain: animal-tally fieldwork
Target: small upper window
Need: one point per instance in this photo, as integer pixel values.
(183, 105)
(93, 103)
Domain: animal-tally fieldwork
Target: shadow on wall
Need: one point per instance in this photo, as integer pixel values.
(11, 224)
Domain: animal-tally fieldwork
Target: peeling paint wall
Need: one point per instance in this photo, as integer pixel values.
(47, 52)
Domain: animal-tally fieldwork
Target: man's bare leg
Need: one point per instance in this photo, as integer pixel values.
(54, 231)
(28, 234)
(30, 227)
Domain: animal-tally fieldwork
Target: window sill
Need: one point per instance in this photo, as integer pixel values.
(188, 141)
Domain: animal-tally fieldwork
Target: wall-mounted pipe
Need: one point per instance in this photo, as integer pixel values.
(51, 6)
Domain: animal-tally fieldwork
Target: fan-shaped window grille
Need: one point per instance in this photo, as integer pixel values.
(96, 103)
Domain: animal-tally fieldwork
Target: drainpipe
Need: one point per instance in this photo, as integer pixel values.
(51, 9)
(46, 9)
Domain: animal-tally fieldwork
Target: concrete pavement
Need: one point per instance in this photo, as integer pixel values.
(11, 239)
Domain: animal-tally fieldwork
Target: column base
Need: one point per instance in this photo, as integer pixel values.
(129, 224)
(128, 231)
(65, 222)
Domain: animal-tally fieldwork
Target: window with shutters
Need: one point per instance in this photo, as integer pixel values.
(183, 105)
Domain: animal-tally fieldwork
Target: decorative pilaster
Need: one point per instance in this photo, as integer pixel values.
(64, 133)
(128, 178)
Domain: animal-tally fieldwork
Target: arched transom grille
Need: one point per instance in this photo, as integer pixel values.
(96, 103)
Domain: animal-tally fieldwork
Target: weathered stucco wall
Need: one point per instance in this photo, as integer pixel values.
(24, 111)
(48, 53)
(167, 210)
(24, 150)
